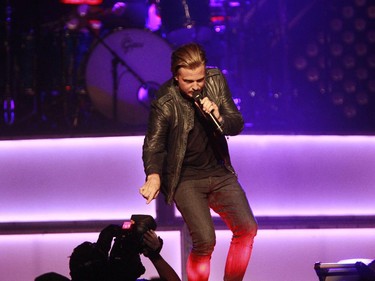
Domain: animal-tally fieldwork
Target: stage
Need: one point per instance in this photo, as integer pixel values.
(312, 196)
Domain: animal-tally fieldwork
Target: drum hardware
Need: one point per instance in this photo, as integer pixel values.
(189, 23)
(147, 58)
(84, 17)
(184, 21)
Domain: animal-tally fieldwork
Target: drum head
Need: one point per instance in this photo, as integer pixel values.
(147, 66)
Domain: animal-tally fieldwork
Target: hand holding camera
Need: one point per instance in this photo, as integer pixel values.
(153, 244)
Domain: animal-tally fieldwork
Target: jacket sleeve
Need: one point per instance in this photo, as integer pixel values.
(218, 91)
(154, 146)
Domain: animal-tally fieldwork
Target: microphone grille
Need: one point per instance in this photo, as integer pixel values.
(197, 95)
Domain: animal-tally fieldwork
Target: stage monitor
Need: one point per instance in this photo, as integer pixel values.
(355, 271)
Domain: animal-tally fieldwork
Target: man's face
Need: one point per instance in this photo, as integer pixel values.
(190, 80)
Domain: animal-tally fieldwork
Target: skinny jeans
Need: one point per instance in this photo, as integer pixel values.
(225, 196)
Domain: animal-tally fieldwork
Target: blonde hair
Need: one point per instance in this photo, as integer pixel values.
(189, 56)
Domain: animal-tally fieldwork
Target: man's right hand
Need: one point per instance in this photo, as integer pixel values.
(150, 190)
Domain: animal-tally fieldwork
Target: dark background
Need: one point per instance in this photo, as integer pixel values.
(296, 66)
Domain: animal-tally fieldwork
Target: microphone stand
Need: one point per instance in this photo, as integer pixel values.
(115, 63)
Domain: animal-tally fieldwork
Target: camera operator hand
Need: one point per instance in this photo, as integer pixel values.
(152, 250)
(153, 244)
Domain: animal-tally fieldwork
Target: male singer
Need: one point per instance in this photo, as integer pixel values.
(185, 155)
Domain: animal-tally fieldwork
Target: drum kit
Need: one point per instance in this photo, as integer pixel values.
(127, 63)
(108, 50)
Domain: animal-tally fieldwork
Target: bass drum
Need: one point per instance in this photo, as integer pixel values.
(147, 65)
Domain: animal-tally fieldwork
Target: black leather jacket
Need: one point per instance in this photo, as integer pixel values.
(171, 119)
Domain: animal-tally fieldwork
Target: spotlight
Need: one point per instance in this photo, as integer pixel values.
(362, 73)
(337, 74)
(300, 63)
(349, 61)
(350, 111)
(312, 50)
(360, 3)
(371, 61)
(362, 98)
(337, 99)
(336, 24)
(313, 74)
(360, 24)
(350, 86)
(371, 12)
(361, 49)
(348, 12)
(348, 37)
(371, 86)
(371, 36)
(337, 49)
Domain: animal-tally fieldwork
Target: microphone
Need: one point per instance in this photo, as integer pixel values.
(197, 96)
